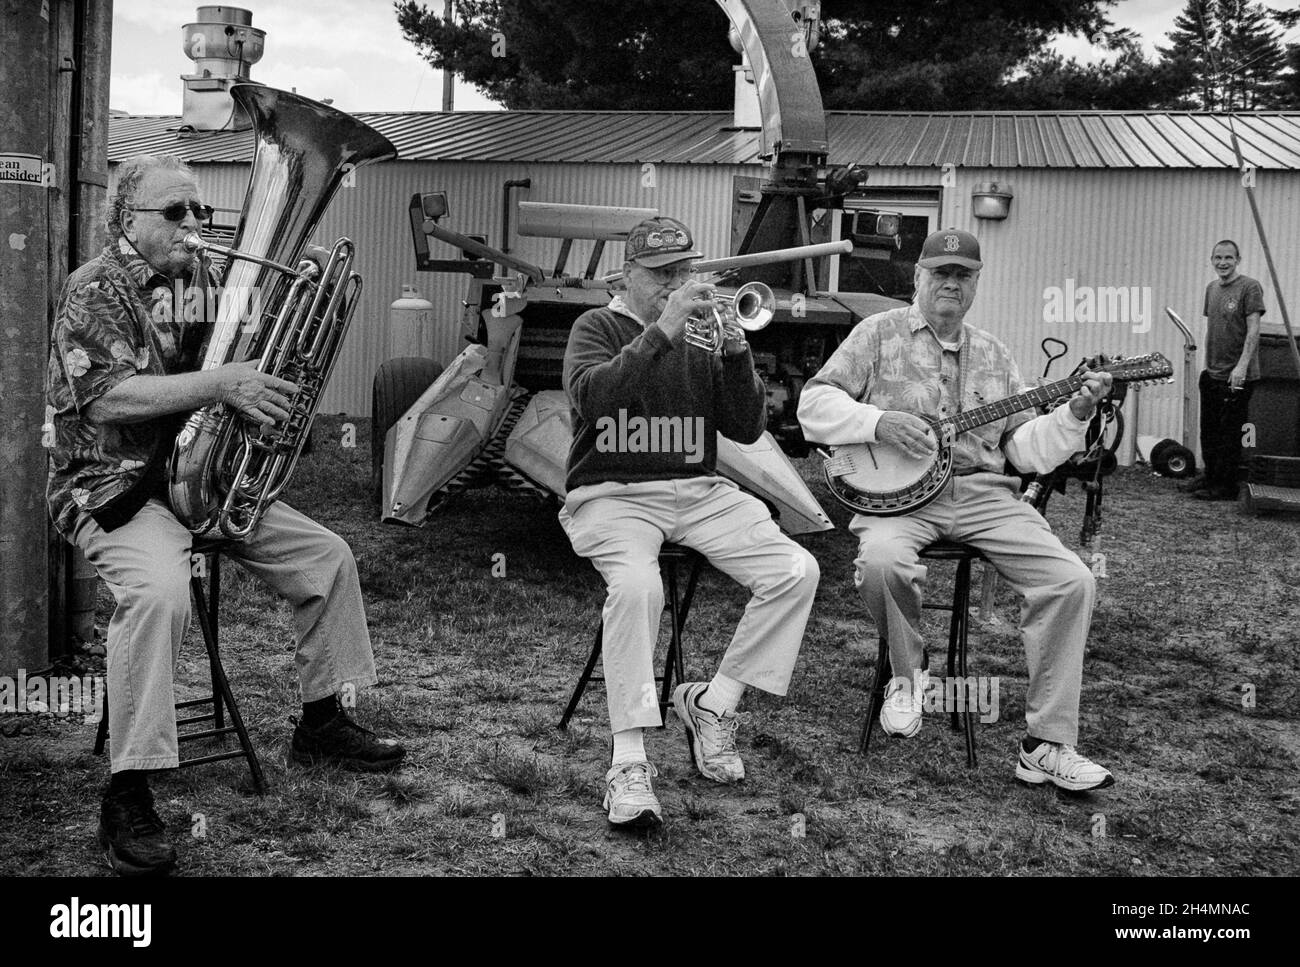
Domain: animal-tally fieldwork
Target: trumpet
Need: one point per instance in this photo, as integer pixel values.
(748, 309)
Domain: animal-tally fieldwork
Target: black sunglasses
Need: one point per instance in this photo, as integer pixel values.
(177, 209)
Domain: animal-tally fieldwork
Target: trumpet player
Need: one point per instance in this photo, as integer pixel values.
(121, 377)
(632, 360)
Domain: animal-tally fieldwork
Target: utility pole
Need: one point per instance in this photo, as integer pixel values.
(448, 76)
(54, 72)
(27, 79)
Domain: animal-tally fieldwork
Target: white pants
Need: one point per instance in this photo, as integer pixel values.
(620, 528)
(146, 564)
(984, 510)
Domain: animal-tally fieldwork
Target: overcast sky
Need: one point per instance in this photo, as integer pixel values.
(353, 52)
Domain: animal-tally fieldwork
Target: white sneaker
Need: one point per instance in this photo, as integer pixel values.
(712, 738)
(630, 796)
(900, 715)
(1061, 766)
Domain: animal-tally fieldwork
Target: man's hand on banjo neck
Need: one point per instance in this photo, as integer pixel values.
(914, 436)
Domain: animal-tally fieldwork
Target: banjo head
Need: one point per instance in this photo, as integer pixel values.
(884, 481)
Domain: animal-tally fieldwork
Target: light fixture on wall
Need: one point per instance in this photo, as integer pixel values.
(991, 199)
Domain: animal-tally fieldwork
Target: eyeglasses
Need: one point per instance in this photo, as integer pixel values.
(678, 271)
(175, 212)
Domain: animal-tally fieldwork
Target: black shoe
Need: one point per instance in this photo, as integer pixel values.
(1194, 486)
(342, 742)
(134, 840)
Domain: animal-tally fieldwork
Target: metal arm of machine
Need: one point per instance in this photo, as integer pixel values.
(794, 121)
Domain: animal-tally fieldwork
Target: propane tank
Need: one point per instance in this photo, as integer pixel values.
(410, 325)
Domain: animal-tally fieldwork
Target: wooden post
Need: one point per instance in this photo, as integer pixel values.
(27, 79)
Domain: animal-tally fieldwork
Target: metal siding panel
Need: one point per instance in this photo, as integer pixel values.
(1161, 151)
(1104, 143)
(1258, 145)
(1129, 141)
(1055, 149)
(1193, 155)
(1282, 131)
(1080, 145)
(956, 142)
(1006, 154)
(1217, 149)
(903, 141)
(1270, 140)
(1029, 143)
(979, 143)
(926, 151)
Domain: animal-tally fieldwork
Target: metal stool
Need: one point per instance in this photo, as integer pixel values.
(222, 698)
(963, 554)
(671, 556)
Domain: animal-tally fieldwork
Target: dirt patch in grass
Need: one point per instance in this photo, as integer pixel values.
(1190, 698)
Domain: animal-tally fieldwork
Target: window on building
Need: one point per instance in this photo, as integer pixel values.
(881, 268)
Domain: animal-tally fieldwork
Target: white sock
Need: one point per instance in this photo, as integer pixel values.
(722, 695)
(629, 746)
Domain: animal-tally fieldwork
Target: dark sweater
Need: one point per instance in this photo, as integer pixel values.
(636, 398)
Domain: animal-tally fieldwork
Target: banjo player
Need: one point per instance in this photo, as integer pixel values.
(924, 360)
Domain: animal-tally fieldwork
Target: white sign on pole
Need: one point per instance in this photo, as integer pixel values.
(23, 169)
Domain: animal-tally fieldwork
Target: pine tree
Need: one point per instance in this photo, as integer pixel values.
(674, 54)
(1224, 55)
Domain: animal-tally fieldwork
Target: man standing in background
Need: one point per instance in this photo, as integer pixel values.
(1234, 304)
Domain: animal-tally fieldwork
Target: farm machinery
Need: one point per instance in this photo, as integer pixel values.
(497, 412)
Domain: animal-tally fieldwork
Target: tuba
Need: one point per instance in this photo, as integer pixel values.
(286, 313)
(748, 309)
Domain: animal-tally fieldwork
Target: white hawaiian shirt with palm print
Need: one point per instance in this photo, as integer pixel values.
(894, 360)
(116, 317)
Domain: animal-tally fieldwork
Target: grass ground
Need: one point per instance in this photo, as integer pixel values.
(1197, 621)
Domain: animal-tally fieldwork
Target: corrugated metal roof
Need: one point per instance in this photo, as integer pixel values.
(1012, 139)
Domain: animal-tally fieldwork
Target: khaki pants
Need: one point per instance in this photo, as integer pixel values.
(620, 528)
(146, 564)
(983, 509)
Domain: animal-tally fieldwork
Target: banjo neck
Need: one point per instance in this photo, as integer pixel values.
(951, 427)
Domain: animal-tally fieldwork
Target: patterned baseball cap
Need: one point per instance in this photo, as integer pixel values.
(951, 246)
(660, 241)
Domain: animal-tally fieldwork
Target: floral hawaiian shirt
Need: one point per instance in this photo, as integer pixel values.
(895, 361)
(116, 317)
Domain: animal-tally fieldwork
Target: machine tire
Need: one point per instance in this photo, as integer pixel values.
(1159, 450)
(1172, 460)
(398, 383)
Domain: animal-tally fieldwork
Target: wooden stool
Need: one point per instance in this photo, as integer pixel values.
(958, 629)
(671, 557)
(222, 698)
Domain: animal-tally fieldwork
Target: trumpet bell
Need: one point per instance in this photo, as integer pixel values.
(748, 309)
(753, 305)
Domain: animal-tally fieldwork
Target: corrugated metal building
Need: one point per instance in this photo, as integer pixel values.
(1105, 206)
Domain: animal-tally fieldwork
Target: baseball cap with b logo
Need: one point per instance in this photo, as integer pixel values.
(950, 246)
(660, 241)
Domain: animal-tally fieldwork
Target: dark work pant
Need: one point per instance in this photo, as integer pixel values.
(1223, 414)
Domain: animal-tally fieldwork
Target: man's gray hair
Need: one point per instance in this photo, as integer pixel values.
(129, 175)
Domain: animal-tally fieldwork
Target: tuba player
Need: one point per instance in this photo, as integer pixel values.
(122, 376)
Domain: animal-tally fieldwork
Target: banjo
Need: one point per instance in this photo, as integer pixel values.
(883, 481)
